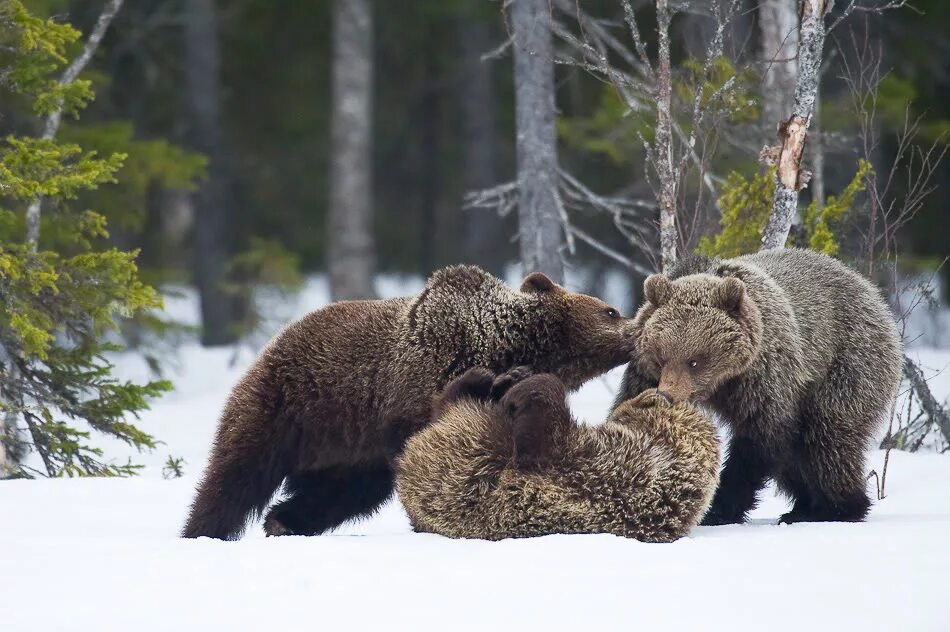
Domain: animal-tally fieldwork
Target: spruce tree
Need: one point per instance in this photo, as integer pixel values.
(63, 295)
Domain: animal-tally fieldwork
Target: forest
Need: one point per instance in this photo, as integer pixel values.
(239, 147)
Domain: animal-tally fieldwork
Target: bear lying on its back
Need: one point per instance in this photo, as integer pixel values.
(507, 461)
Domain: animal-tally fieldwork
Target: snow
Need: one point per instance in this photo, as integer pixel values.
(104, 554)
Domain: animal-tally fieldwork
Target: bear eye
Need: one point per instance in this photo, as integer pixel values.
(693, 364)
(610, 311)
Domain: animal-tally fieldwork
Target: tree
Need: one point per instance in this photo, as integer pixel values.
(540, 231)
(350, 246)
(484, 231)
(61, 290)
(778, 52)
(790, 178)
(214, 198)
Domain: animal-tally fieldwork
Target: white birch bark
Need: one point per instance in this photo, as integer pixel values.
(663, 148)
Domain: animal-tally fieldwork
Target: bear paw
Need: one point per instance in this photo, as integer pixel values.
(475, 383)
(652, 398)
(714, 519)
(274, 527)
(505, 381)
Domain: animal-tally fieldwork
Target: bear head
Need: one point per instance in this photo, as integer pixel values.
(591, 336)
(696, 332)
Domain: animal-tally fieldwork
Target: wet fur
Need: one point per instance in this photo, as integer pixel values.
(521, 466)
(803, 374)
(332, 398)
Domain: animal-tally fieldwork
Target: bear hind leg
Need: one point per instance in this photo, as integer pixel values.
(321, 500)
(836, 427)
(827, 482)
(537, 411)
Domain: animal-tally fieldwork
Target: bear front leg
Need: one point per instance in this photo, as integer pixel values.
(742, 477)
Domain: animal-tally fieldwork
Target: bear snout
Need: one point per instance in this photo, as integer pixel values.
(675, 386)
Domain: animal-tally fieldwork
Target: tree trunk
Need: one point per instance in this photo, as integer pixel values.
(431, 174)
(790, 177)
(541, 236)
(214, 199)
(484, 231)
(778, 51)
(350, 248)
(663, 149)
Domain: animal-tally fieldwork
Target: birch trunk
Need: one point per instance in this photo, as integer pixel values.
(541, 235)
(665, 162)
(789, 175)
(351, 259)
(53, 120)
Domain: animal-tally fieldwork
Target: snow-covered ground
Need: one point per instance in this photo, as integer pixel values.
(103, 554)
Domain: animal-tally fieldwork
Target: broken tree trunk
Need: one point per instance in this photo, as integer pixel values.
(790, 178)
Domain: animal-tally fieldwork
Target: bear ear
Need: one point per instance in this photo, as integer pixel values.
(730, 294)
(538, 282)
(657, 289)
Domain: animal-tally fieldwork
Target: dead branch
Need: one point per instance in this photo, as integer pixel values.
(933, 409)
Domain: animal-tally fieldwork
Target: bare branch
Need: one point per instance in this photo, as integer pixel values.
(610, 252)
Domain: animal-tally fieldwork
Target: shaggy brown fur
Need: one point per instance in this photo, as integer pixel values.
(797, 352)
(523, 467)
(328, 397)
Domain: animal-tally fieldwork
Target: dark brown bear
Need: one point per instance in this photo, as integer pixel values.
(323, 403)
(798, 353)
(523, 467)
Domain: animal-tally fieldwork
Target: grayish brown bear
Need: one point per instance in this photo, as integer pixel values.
(505, 459)
(334, 394)
(798, 353)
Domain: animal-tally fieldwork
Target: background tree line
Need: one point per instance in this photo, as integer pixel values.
(247, 87)
(250, 141)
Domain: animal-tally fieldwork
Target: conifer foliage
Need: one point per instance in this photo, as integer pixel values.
(61, 298)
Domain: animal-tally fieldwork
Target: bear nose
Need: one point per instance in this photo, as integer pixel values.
(665, 395)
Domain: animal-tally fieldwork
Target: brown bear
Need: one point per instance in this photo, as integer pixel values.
(798, 354)
(497, 464)
(322, 404)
